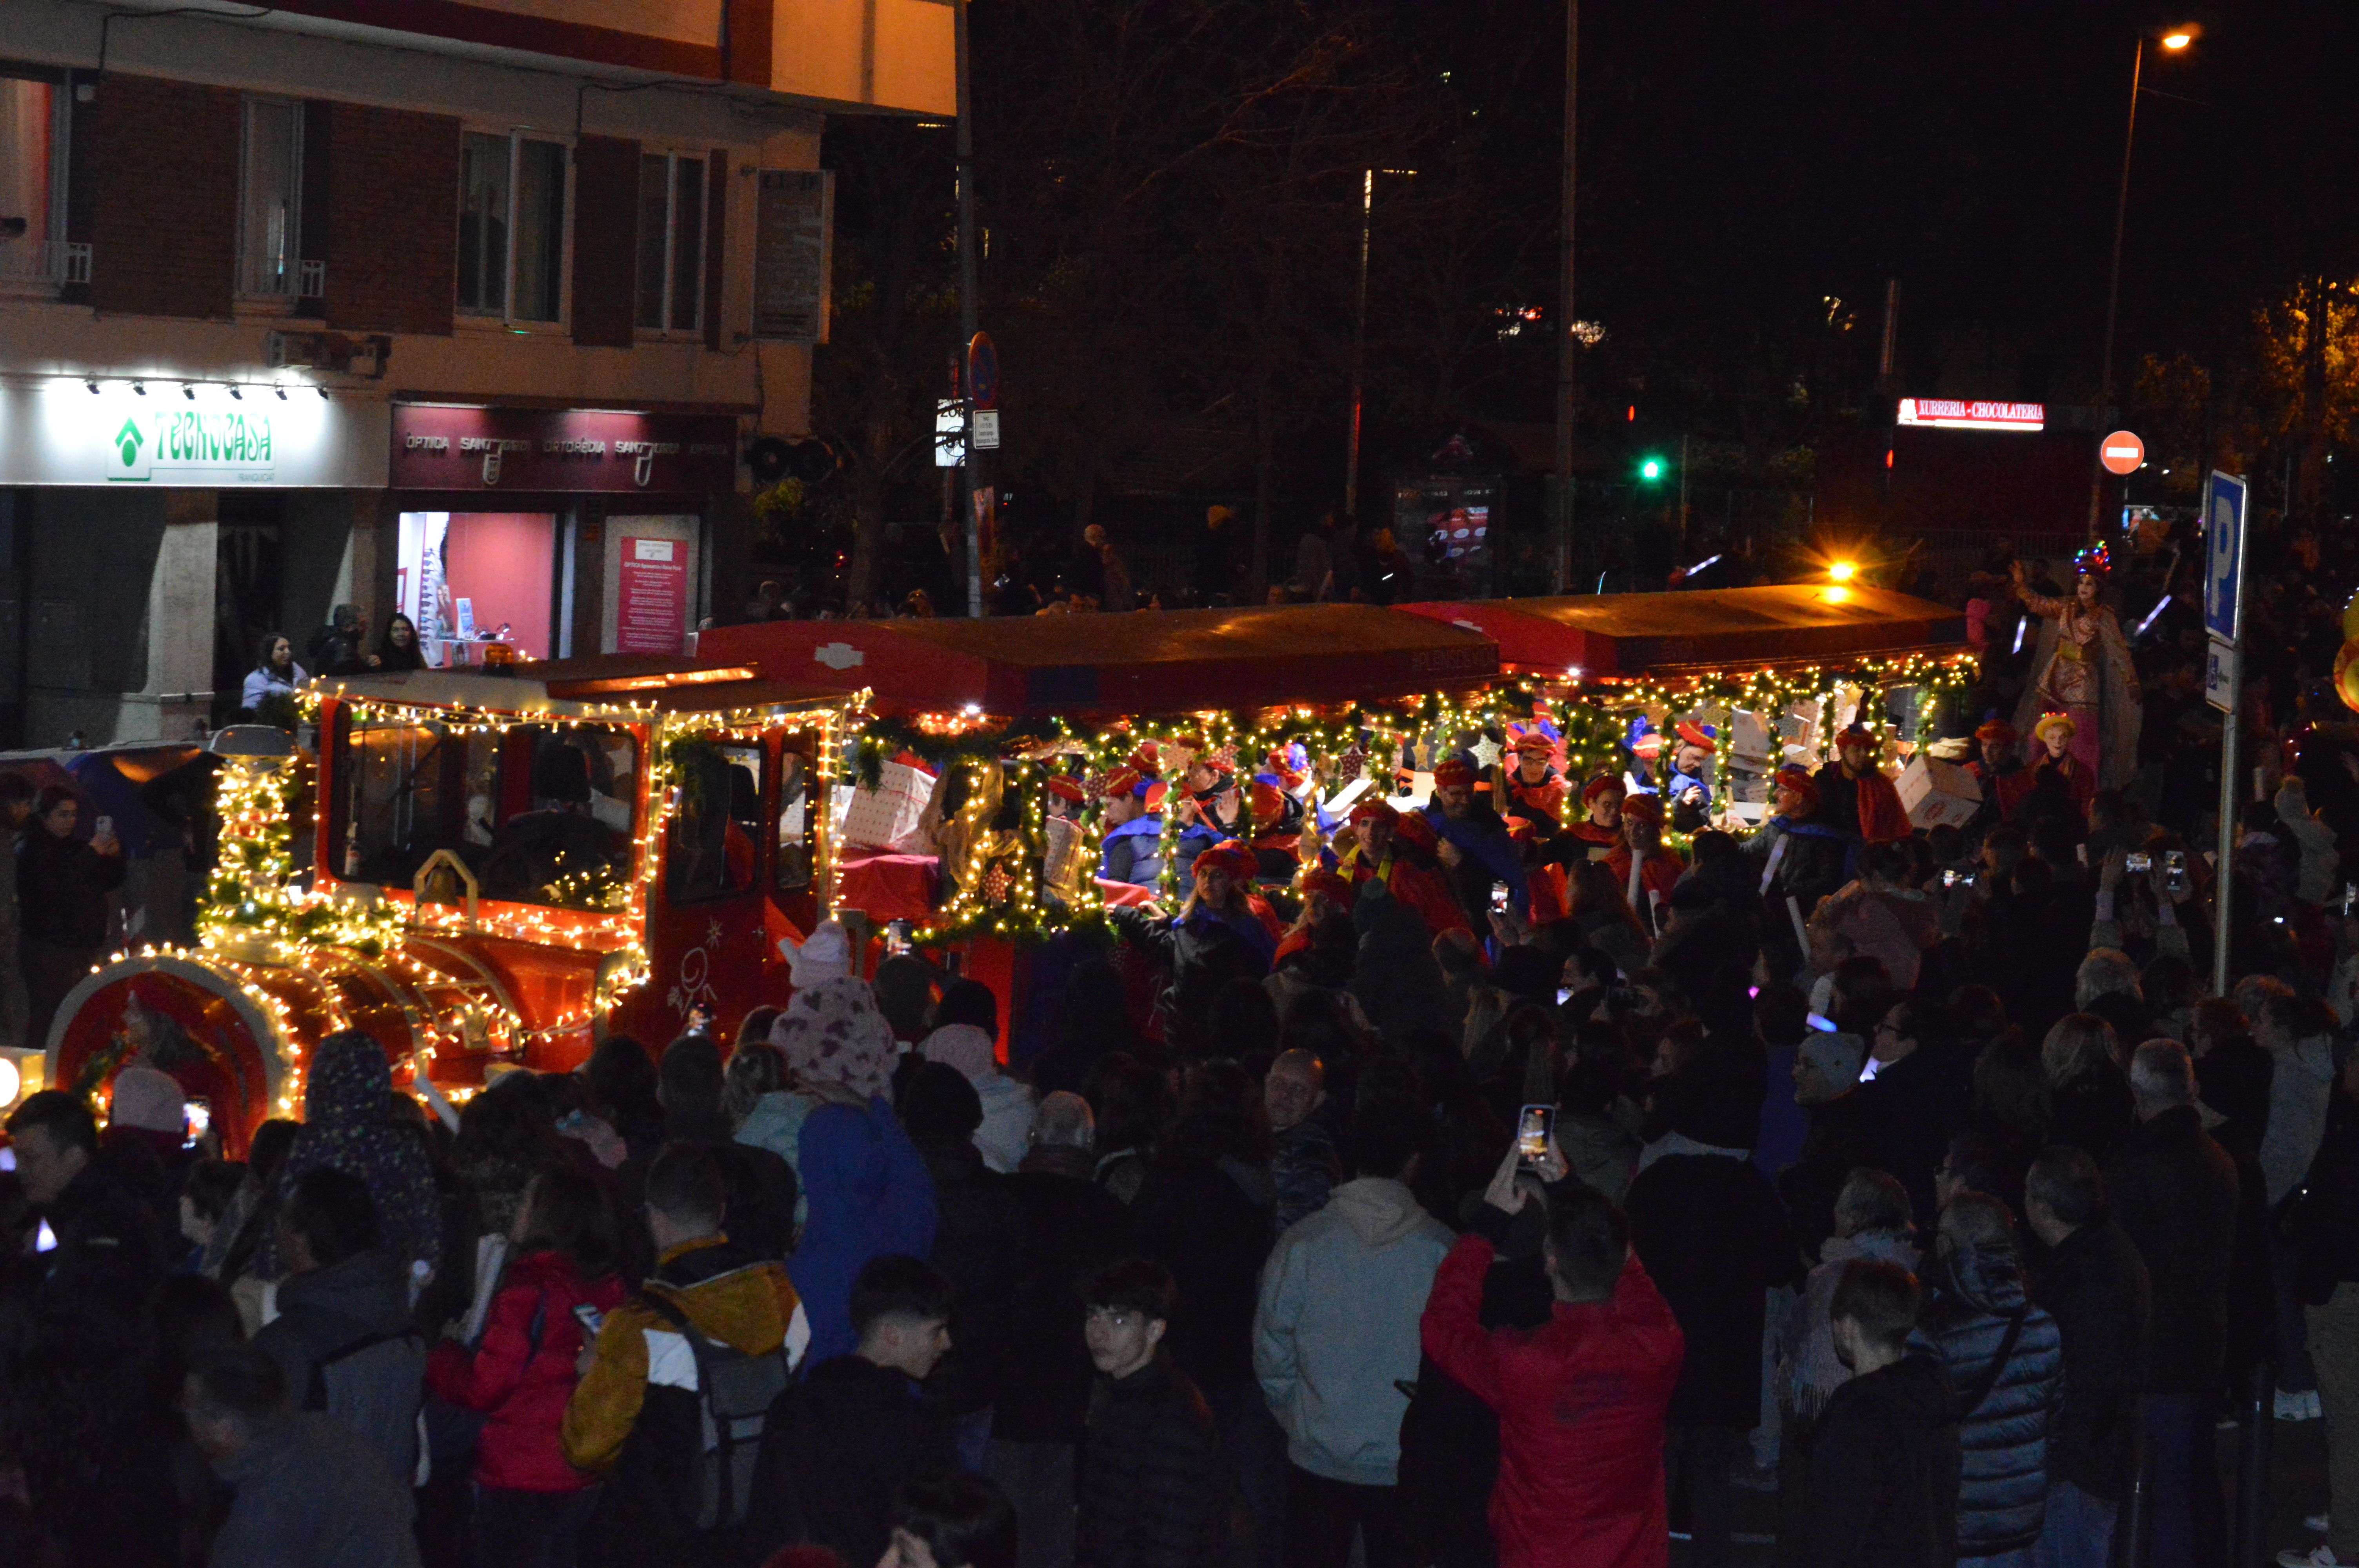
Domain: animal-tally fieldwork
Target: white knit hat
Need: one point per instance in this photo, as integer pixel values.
(824, 955)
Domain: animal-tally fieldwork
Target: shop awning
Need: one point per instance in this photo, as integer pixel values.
(600, 683)
(1735, 628)
(1160, 662)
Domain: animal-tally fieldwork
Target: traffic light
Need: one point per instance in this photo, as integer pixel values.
(1651, 468)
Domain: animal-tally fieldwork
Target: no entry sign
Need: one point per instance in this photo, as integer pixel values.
(2121, 453)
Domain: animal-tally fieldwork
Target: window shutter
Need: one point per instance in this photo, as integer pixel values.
(605, 242)
(164, 213)
(393, 220)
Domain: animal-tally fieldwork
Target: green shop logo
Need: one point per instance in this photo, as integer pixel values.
(196, 445)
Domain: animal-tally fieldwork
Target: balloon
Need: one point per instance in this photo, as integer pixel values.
(2346, 675)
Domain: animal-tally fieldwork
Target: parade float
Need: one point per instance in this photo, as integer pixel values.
(489, 869)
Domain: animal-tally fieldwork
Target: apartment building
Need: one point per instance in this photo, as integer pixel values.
(472, 309)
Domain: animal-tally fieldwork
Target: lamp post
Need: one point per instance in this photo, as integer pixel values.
(1360, 333)
(2175, 40)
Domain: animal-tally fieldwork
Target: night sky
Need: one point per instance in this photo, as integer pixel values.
(1741, 161)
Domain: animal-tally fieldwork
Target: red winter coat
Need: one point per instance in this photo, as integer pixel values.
(1580, 1402)
(522, 1388)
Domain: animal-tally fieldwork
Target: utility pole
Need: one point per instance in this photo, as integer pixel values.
(1359, 344)
(1565, 344)
(2113, 277)
(969, 322)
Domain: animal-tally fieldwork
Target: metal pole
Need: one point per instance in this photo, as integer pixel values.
(2113, 277)
(1359, 344)
(968, 323)
(2223, 885)
(1565, 363)
(2256, 1417)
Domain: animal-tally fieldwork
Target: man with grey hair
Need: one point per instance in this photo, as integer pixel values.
(1844, 1131)
(1072, 1229)
(2175, 1192)
(2108, 986)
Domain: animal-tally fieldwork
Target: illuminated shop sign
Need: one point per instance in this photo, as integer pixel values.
(1957, 414)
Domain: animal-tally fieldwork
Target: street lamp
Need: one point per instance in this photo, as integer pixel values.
(2175, 41)
(1360, 331)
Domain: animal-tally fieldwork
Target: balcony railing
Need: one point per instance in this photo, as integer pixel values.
(44, 260)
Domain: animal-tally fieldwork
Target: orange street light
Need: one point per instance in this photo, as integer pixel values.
(2178, 39)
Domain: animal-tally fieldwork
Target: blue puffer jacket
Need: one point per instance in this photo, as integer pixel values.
(2003, 1440)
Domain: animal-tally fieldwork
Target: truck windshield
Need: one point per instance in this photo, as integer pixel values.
(538, 813)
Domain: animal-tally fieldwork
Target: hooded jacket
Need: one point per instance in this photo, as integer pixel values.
(1882, 1479)
(2002, 1440)
(1336, 1328)
(1580, 1402)
(870, 1195)
(521, 1374)
(775, 1123)
(323, 1317)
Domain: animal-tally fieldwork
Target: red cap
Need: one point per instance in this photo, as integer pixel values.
(1532, 740)
(1454, 773)
(1066, 788)
(1799, 781)
(1230, 857)
(1371, 809)
(1997, 730)
(1333, 885)
(1268, 802)
(1692, 734)
(1858, 734)
(1416, 828)
(1645, 807)
(1121, 781)
(1603, 783)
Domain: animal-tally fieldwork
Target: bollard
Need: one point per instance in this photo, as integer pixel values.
(2250, 1541)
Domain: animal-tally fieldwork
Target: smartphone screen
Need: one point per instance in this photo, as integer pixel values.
(2140, 862)
(1824, 1025)
(591, 1319)
(196, 1117)
(1498, 896)
(1532, 1129)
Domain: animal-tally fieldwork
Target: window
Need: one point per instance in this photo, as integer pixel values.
(271, 183)
(717, 822)
(539, 815)
(511, 227)
(32, 186)
(797, 822)
(672, 242)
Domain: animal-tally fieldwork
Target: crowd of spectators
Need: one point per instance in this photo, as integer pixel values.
(1913, 1182)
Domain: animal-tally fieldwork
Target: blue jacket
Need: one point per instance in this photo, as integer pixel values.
(1139, 864)
(1482, 837)
(870, 1196)
(2003, 1440)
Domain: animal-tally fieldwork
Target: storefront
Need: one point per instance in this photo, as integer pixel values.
(153, 531)
(555, 532)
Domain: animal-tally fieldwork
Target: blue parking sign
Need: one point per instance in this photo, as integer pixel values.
(2223, 554)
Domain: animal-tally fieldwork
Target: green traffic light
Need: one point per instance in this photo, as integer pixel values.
(1651, 469)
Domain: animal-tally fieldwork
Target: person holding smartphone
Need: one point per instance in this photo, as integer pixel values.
(62, 881)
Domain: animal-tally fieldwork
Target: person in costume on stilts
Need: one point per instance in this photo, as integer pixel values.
(2082, 670)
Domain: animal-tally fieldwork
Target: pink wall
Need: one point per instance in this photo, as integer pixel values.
(506, 562)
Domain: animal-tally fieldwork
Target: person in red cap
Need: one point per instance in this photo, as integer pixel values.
(1223, 893)
(1277, 826)
(1211, 798)
(1646, 871)
(1802, 860)
(1595, 837)
(1324, 893)
(1132, 849)
(1855, 797)
(1600, 828)
(1387, 849)
(1683, 774)
(1999, 770)
(1474, 845)
(1535, 791)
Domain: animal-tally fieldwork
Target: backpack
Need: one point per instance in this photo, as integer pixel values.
(733, 1394)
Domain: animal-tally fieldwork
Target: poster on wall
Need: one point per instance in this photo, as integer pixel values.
(420, 576)
(651, 600)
